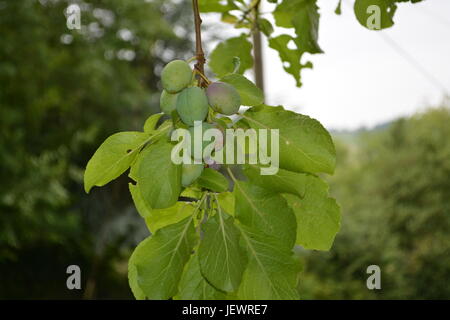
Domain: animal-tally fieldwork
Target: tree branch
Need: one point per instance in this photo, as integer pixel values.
(257, 47)
(200, 55)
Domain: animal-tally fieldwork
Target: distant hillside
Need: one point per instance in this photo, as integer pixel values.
(350, 136)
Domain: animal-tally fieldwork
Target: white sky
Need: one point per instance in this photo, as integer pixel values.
(361, 80)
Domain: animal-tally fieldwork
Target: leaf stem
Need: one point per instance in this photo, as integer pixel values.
(231, 175)
(203, 76)
(200, 203)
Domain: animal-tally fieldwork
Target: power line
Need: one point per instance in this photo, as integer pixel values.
(412, 61)
(436, 16)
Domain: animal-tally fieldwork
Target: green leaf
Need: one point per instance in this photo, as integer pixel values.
(193, 286)
(338, 9)
(303, 16)
(191, 192)
(226, 201)
(150, 123)
(317, 215)
(283, 181)
(229, 18)
(236, 64)
(134, 169)
(112, 158)
(290, 57)
(216, 6)
(263, 210)
(265, 26)
(221, 59)
(142, 208)
(160, 259)
(213, 180)
(158, 177)
(305, 145)
(272, 271)
(160, 218)
(133, 277)
(250, 94)
(367, 10)
(222, 260)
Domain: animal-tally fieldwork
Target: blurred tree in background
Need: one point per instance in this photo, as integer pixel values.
(394, 187)
(62, 92)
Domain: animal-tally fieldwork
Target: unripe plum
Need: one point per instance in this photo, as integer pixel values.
(168, 102)
(176, 76)
(190, 173)
(192, 105)
(223, 98)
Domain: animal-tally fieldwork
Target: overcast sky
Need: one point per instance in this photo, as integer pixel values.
(361, 80)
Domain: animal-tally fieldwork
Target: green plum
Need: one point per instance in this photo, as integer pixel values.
(176, 76)
(223, 98)
(192, 105)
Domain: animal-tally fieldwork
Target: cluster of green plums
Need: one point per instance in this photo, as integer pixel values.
(192, 103)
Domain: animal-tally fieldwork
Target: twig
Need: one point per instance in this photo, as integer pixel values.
(257, 48)
(203, 76)
(200, 55)
(254, 4)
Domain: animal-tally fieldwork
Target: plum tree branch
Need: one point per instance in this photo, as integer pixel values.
(200, 55)
(257, 47)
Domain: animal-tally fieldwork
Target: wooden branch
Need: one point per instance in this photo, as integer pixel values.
(258, 67)
(200, 55)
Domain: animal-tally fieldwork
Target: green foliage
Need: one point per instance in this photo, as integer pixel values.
(305, 145)
(193, 286)
(393, 186)
(62, 93)
(151, 122)
(272, 271)
(160, 218)
(299, 17)
(381, 10)
(112, 158)
(317, 215)
(213, 180)
(86, 88)
(221, 59)
(156, 165)
(160, 259)
(222, 259)
(250, 94)
(190, 173)
(239, 244)
(263, 210)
